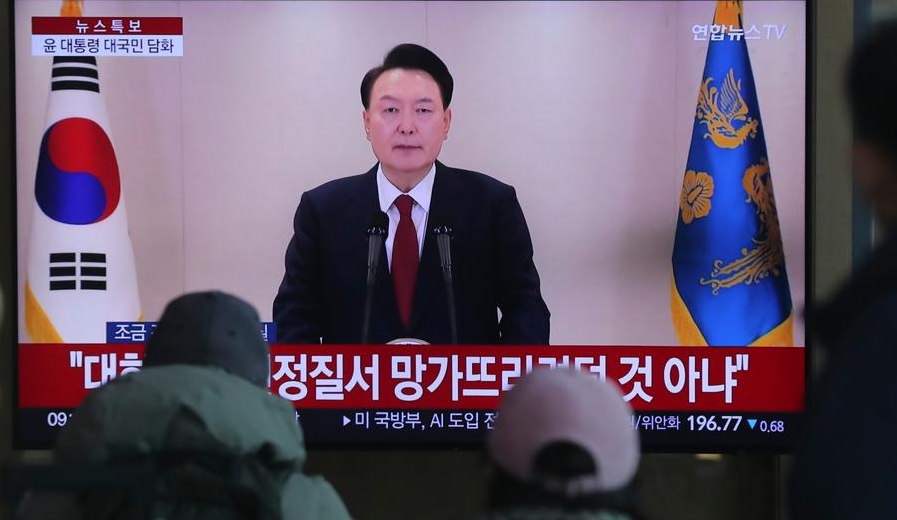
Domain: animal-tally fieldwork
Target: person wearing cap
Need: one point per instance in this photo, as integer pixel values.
(562, 448)
(321, 298)
(200, 396)
(846, 464)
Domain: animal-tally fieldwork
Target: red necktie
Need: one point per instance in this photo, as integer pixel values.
(404, 258)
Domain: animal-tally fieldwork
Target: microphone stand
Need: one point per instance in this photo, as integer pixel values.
(443, 240)
(376, 235)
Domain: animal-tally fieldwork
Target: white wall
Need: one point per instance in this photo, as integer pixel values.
(585, 107)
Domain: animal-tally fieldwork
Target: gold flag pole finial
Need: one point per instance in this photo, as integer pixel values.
(728, 13)
(71, 8)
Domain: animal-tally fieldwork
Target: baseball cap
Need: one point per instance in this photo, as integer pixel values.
(566, 405)
(211, 329)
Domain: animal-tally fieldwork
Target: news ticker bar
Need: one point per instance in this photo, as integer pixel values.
(140, 331)
(39, 428)
(371, 377)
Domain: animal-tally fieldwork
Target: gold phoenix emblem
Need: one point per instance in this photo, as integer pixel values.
(767, 257)
(725, 113)
(694, 200)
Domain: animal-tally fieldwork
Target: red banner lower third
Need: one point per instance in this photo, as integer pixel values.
(444, 377)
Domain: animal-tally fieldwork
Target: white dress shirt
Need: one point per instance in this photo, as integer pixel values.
(420, 210)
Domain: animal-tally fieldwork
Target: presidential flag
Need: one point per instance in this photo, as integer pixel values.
(80, 266)
(729, 284)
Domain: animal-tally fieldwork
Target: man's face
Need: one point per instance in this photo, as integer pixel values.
(406, 123)
(874, 173)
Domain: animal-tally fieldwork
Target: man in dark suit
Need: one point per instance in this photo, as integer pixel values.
(322, 296)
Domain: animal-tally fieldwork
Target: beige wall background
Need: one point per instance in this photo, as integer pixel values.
(585, 107)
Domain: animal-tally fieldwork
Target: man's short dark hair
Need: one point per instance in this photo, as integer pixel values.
(412, 57)
(872, 88)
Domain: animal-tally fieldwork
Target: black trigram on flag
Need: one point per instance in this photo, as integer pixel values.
(72, 271)
(75, 73)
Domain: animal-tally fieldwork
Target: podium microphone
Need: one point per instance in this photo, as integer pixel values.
(376, 232)
(444, 235)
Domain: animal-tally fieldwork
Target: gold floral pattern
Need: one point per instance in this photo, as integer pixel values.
(694, 201)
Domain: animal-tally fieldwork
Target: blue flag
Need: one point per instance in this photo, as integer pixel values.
(729, 285)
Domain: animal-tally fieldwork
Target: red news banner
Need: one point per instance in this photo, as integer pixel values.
(84, 25)
(444, 377)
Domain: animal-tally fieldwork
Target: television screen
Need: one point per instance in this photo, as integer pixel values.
(162, 147)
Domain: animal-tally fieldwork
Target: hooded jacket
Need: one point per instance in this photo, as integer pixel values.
(197, 409)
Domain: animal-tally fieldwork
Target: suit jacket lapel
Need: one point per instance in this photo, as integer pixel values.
(384, 309)
(443, 209)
